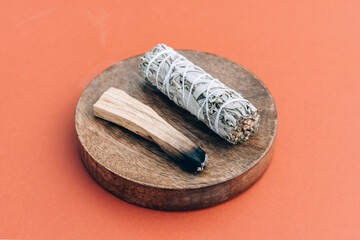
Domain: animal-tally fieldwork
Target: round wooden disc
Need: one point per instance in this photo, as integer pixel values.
(138, 171)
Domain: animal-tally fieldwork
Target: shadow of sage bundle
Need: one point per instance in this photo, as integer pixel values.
(221, 108)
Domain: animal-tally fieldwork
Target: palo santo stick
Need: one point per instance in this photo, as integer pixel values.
(118, 107)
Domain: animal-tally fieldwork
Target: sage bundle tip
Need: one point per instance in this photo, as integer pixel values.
(221, 108)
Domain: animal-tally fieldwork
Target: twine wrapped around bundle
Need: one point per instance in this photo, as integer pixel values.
(221, 108)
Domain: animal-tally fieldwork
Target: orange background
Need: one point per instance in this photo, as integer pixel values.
(306, 52)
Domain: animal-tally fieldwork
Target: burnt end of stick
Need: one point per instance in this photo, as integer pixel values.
(194, 160)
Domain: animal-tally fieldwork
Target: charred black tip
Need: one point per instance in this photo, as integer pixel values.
(195, 160)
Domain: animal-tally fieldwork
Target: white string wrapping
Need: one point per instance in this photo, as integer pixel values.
(214, 88)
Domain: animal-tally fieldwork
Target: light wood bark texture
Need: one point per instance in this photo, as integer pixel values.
(138, 171)
(118, 107)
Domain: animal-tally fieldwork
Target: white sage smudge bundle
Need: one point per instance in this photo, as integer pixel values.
(221, 108)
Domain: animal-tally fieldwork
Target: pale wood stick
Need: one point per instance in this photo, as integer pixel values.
(118, 107)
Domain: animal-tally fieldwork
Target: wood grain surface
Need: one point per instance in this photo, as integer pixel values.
(138, 171)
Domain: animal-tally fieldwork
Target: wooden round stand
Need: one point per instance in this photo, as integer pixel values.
(138, 171)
